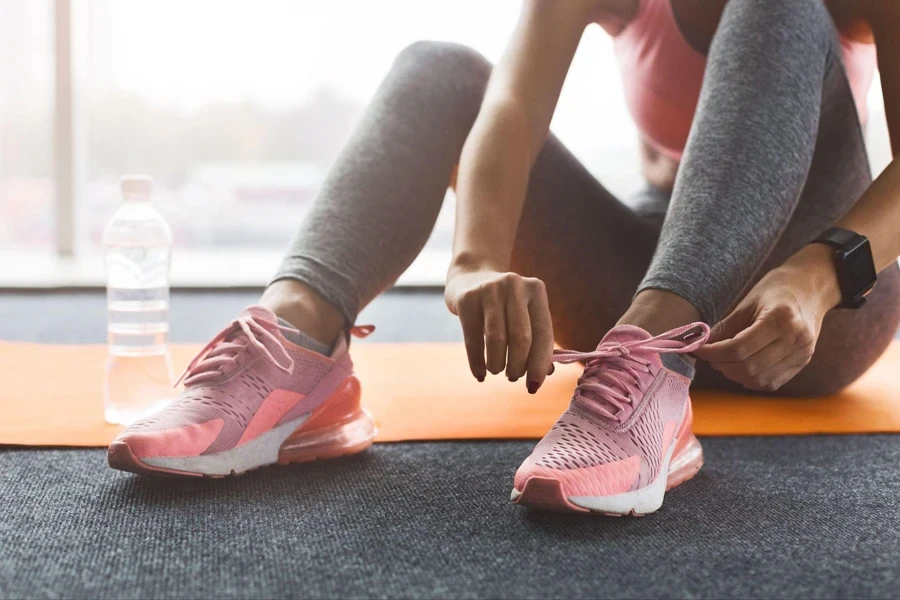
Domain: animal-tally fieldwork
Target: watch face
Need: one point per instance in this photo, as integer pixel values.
(860, 269)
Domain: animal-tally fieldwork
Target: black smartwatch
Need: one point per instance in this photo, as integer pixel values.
(853, 263)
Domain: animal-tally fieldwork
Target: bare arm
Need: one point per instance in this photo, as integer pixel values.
(511, 128)
(504, 316)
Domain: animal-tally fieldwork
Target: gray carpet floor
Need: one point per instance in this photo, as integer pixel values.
(805, 517)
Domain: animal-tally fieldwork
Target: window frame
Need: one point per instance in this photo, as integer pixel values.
(66, 128)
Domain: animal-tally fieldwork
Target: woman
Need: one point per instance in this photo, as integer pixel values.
(755, 105)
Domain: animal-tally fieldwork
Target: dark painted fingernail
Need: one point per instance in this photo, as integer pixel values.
(513, 379)
(480, 379)
(533, 386)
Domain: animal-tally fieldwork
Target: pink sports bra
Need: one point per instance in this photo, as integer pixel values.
(662, 75)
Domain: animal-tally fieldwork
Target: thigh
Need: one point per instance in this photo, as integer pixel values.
(850, 340)
(589, 248)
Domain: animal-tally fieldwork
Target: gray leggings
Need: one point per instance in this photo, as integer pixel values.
(775, 156)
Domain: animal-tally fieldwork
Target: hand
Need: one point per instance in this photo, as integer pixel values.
(509, 315)
(772, 333)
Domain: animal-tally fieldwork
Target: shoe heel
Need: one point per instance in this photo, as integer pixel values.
(340, 426)
(687, 458)
(685, 463)
(349, 437)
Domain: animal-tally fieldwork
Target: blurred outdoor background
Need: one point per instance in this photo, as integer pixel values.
(237, 109)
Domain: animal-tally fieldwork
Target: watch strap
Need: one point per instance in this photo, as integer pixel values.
(844, 242)
(837, 238)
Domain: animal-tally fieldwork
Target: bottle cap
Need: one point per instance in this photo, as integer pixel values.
(140, 185)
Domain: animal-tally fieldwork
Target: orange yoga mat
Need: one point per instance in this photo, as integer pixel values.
(51, 396)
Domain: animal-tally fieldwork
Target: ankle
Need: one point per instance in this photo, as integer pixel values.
(305, 309)
(658, 311)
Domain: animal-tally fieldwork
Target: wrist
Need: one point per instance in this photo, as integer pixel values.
(814, 265)
(470, 262)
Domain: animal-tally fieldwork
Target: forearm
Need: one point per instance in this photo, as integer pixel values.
(491, 186)
(876, 216)
(511, 129)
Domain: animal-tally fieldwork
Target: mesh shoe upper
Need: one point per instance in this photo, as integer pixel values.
(622, 419)
(235, 375)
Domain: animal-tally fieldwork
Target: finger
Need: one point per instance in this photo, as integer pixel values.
(495, 331)
(518, 334)
(472, 319)
(540, 358)
(738, 320)
(786, 370)
(742, 345)
(760, 364)
(753, 371)
(780, 373)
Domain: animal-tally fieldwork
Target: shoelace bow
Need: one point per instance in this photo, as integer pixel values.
(223, 349)
(613, 369)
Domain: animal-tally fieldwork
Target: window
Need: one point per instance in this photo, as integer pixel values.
(237, 109)
(26, 127)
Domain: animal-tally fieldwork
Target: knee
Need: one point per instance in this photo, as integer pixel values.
(445, 60)
(449, 79)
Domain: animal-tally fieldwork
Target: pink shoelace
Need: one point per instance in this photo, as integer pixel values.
(611, 372)
(222, 351)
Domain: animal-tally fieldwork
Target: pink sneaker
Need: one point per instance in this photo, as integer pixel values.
(251, 398)
(626, 437)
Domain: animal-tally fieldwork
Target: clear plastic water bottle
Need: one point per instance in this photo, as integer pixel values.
(137, 248)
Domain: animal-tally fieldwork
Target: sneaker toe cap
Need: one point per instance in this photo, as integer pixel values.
(185, 440)
(606, 479)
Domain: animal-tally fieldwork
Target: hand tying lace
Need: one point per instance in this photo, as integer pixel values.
(612, 371)
(222, 350)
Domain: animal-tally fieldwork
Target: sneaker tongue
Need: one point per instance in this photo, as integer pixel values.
(622, 334)
(260, 313)
(230, 344)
